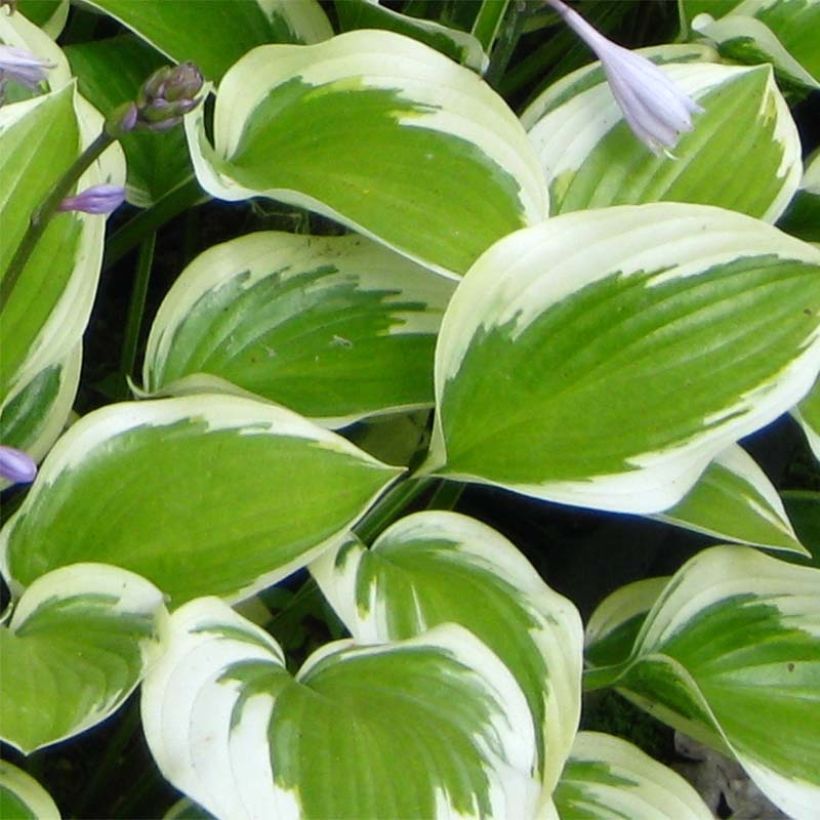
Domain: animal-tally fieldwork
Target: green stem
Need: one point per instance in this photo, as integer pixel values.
(388, 508)
(41, 216)
(488, 22)
(136, 308)
(446, 495)
(177, 200)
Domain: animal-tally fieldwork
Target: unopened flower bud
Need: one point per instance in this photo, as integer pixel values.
(167, 95)
(99, 199)
(122, 119)
(655, 109)
(16, 466)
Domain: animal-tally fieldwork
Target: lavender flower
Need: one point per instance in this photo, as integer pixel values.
(16, 466)
(22, 66)
(655, 109)
(99, 199)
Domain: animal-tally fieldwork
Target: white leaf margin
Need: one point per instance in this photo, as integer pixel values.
(28, 791)
(504, 286)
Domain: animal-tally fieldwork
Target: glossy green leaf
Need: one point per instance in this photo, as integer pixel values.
(49, 15)
(110, 73)
(608, 777)
(431, 726)
(439, 567)
(216, 33)
(335, 328)
(34, 417)
(202, 495)
(807, 414)
(381, 133)
(734, 500)
(563, 355)
(458, 45)
(78, 643)
(730, 654)
(743, 153)
(22, 797)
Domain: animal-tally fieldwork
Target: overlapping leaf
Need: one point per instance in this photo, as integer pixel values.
(21, 796)
(802, 219)
(202, 495)
(743, 153)
(438, 567)
(730, 654)
(565, 355)
(380, 132)
(807, 414)
(334, 327)
(734, 500)
(431, 726)
(77, 645)
(216, 33)
(608, 777)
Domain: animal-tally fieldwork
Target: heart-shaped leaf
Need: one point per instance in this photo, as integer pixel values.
(742, 154)
(202, 495)
(379, 132)
(77, 645)
(564, 355)
(730, 654)
(22, 797)
(439, 567)
(435, 725)
(335, 328)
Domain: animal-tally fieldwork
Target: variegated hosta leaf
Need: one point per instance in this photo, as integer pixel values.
(77, 645)
(743, 153)
(802, 219)
(379, 132)
(22, 797)
(214, 34)
(734, 499)
(608, 777)
(44, 311)
(730, 654)
(438, 567)
(613, 627)
(749, 40)
(783, 26)
(432, 726)
(605, 358)
(334, 327)
(458, 45)
(202, 495)
(35, 416)
(807, 414)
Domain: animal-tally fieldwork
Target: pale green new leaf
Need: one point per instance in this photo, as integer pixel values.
(734, 500)
(608, 777)
(458, 45)
(22, 797)
(216, 33)
(35, 416)
(202, 495)
(807, 414)
(565, 354)
(380, 132)
(335, 328)
(431, 726)
(742, 154)
(730, 654)
(78, 643)
(49, 15)
(438, 567)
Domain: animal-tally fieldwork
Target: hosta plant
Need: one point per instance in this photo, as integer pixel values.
(408, 409)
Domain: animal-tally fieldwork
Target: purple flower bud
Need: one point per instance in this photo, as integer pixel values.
(167, 95)
(22, 66)
(122, 119)
(655, 109)
(16, 466)
(99, 199)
